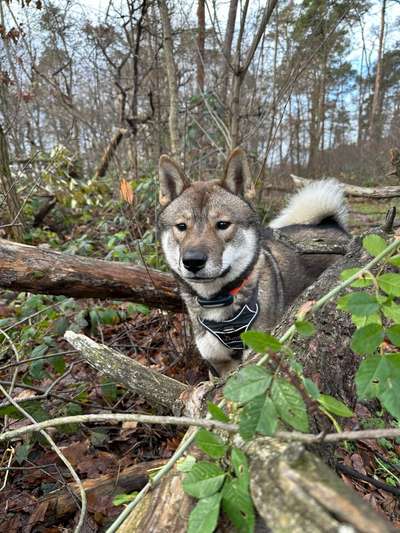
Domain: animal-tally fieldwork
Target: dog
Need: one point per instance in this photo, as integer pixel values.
(232, 274)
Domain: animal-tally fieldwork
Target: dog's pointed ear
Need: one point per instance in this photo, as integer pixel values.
(172, 180)
(237, 177)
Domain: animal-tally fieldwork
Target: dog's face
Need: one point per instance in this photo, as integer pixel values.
(208, 231)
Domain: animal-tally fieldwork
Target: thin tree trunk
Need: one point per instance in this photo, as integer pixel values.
(201, 37)
(172, 78)
(8, 189)
(376, 111)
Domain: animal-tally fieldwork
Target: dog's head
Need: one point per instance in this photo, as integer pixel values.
(208, 230)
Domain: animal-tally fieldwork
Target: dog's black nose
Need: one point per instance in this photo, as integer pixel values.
(194, 260)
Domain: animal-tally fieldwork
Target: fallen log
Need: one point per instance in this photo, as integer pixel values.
(155, 388)
(38, 270)
(390, 191)
(132, 478)
(33, 269)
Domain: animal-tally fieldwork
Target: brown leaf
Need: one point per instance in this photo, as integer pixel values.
(126, 191)
(38, 515)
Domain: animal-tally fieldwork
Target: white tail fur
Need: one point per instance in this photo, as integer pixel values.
(316, 201)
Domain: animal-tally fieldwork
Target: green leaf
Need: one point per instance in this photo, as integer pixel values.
(204, 480)
(250, 416)
(374, 244)
(204, 516)
(359, 303)
(240, 466)
(186, 464)
(58, 363)
(361, 321)
(109, 391)
(311, 388)
(395, 260)
(390, 283)
(268, 419)
(210, 443)
(250, 382)
(289, 404)
(238, 505)
(261, 342)
(394, 334)
(259, 415)
(137, 308)
(371, 376)
(216, 412)
(367, 339)
(334, 406)
(391, 310)
(121, 499)
(305, 328)
(390, 397)
(362, 282)
(22, 452)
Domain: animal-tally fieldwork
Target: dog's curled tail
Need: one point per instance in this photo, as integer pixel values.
(316, 202)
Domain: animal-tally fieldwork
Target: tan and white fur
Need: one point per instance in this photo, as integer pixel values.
(213, 241)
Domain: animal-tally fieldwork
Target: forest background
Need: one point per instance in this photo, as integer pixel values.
(91, 94)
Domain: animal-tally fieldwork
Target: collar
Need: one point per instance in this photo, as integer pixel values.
(224, 297)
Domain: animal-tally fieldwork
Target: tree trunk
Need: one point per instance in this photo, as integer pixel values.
(201, 37)
(172, 78)
(375, 125)
(9, 192)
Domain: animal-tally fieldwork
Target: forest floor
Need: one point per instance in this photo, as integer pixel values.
(32, 478)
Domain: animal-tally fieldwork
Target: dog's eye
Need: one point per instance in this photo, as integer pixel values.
(222, 224)
(181, 226)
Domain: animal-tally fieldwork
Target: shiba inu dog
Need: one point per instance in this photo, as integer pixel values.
(233, 275)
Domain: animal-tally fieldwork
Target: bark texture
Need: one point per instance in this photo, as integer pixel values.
(295, 491)
(157, 389)
(33, 269)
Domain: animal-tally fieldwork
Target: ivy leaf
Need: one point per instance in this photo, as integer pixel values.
(204, 480)
(363, 281)
(394, 334)
(210, 443)
(289, 404)
(204, 516)
(359, 303)
(261, 342)
(390, 283)
(374, 244)
(305, 328)
(334, 406)
(367, 339)
(250, 382)
(216, 412)
(371, 376)
(238, 505)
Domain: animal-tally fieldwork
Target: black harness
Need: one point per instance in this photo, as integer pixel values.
(228, 331)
